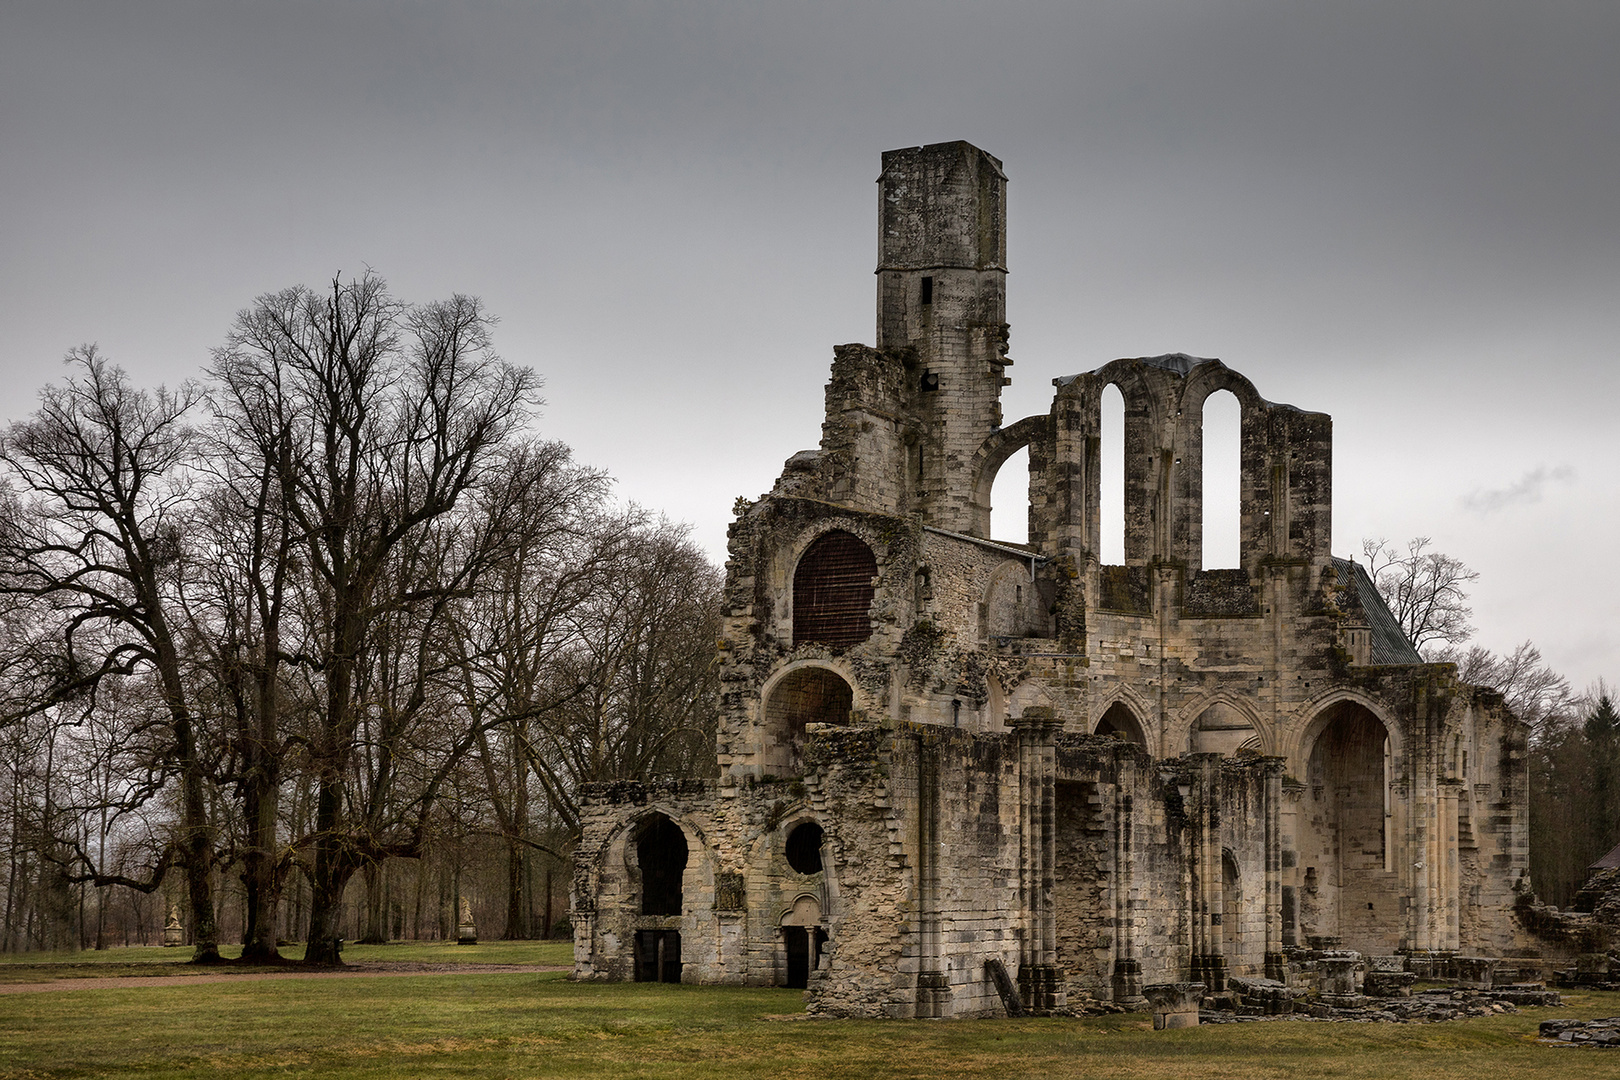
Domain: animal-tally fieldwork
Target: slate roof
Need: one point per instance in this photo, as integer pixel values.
(1389, 644)
(1608, 862)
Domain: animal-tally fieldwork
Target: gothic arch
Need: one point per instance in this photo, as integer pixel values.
(1182, 725)
(1120, 719)
(1317, 714)
(1034, 432)
(1138, 711)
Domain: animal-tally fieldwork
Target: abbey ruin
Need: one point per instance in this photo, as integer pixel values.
(957, 774)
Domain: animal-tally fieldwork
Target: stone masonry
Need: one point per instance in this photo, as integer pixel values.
(960, 777)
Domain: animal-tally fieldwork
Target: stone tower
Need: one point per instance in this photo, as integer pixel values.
(942, 269)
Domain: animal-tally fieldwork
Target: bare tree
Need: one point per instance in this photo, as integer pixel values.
(393, 416)
(637, 687)
(1426, 590)
(1530, 688)
(509, 634)
(105, 474)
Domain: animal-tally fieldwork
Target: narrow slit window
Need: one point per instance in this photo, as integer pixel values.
(927, 290)
(1111, 512)
(1222, 481)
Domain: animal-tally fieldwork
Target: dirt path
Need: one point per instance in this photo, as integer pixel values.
(357, 971)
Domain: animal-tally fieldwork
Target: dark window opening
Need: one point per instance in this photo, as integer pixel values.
(804, 945)
(930, 380)
(658, 956)
(661, 854)
(804, 848)
(832, 591)
(1120, 723)
(928, 290)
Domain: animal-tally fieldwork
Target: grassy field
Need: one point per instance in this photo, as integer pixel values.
(540, 1025)
(155, 960)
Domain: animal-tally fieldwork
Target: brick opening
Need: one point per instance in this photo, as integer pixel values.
(832, 591)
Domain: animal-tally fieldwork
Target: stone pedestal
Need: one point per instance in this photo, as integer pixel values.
(1431, 965)
(1336, 970)
(1175, 1005)
(1475, 972)
(466, 932)
(1388, 984)
(1268, 997)
(173, 933)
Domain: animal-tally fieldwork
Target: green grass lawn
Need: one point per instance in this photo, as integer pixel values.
(540, 1025)
(155, 960)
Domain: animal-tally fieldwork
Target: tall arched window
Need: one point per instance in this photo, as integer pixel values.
(1111, 504)
(1222, 481)
(1009, 500)
(832, 591)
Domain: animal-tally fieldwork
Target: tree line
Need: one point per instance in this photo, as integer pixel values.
(332, 606)
(1575, 737)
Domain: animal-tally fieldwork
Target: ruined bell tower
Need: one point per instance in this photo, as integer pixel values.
(942, 268)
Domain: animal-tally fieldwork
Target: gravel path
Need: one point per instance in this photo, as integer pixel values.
(355, 971)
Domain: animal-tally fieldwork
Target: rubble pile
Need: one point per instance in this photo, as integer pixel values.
(1603, 1033)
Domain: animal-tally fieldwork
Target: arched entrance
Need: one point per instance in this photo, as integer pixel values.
(1348, 885)
(1121, 723)
(802, 939)
(658, 856)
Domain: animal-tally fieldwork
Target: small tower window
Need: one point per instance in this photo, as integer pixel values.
(927, 290)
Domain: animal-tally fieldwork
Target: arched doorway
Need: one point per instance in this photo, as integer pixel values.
(658, 855)
(802, 940)
(1348, 886)
(1232, 915)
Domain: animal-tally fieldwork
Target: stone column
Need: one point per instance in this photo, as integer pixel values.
(1337, 969)
(1202, 803)
(1451, 937)
(933, 986)
(1040, 982)
(1276, 967)
(1127, 968)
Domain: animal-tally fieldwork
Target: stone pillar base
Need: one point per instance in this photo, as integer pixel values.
(1042, 987)
(1210, 969)
(933, 995)
(1475, 972)
(1276, 967)
(1128, 983)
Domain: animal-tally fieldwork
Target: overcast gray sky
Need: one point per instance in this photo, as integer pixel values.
(1404, 214)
